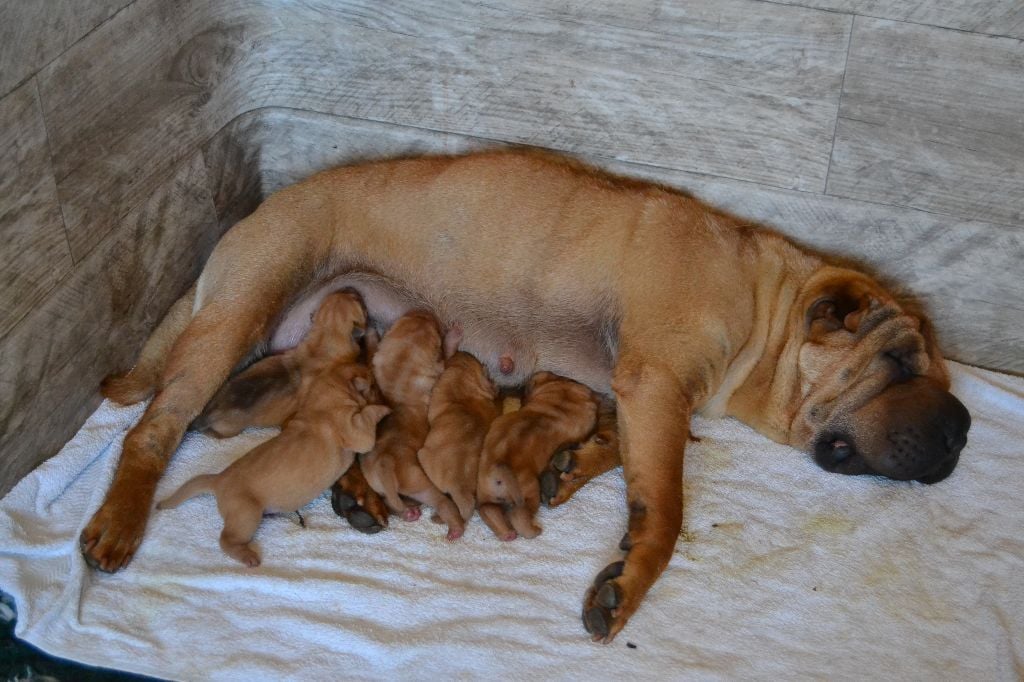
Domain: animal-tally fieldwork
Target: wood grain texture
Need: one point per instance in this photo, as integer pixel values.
(32, 32)
(51, 365)
(993, 17)
(150, 86)
(932, 119)
(967, 273)
(35, 254)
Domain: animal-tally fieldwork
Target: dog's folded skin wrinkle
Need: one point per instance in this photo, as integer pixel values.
(643, 293)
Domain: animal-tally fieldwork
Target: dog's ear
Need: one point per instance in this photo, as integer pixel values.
(362, 435)
(840, 299)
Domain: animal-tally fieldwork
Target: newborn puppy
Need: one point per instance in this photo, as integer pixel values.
(462, 407)
(556, 413)
(266, 393)
(336, 418)
(407, 364)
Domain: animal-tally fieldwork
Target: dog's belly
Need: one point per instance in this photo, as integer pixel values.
(571, 343)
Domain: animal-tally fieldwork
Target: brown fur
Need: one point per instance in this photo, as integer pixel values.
(335, 420)
(266, 393)
(462, 407)
(628, 287)
(557, 412)
(407, 364)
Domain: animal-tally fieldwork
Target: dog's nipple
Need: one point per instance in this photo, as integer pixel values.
(506, 364)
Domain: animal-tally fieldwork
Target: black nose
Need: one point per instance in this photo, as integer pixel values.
(954, 423)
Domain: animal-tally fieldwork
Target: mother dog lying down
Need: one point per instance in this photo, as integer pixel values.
(631, 288)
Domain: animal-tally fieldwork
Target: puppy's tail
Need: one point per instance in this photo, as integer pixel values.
(196, 486)
(504, 485)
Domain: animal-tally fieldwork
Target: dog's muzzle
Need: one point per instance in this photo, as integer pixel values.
(914, 433)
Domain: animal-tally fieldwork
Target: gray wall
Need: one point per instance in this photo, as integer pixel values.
(133, 133)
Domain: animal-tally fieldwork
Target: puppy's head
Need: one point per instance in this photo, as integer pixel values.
(871, 392)
(410, 358)
(338, 325)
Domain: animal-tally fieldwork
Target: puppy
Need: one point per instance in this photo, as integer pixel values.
(407, 364)
(266, 393)
(336, 418)
(556, 412)
(462, 406)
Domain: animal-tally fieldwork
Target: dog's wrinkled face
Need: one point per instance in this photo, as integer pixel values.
(873, 395)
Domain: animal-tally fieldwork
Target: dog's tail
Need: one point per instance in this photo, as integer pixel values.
(503, 485)
(142, 381)
(196, 486)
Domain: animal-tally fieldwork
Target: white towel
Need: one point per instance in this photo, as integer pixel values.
(783, 571)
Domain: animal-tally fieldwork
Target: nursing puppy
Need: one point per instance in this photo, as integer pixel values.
(462, 406)
(556, 413)
(266, 393)
(337, 418)
(407, 364)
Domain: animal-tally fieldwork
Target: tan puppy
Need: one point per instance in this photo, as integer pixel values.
(336, 419)
(556, 413)
(462, 406)
(632, 288)
(407, 364)
(266, 393)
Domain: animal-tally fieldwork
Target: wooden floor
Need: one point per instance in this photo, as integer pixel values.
(133, 132)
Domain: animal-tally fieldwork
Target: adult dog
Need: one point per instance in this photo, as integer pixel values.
(626, 286)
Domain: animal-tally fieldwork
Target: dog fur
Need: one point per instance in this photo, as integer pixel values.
(634, 289)
(555, 414)
(462, 406)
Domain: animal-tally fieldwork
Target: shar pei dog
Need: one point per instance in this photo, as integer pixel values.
(661, 302)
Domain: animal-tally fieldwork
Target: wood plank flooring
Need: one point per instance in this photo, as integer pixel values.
(887, 132)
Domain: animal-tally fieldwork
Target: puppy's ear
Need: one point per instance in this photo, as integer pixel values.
(363, 434)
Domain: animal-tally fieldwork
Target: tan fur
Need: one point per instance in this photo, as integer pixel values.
(266, 393)
(556, 413)
(628, 287)
(407, 364)
(462, 407)
(335, 420)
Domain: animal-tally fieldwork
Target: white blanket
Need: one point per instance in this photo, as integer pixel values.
(783, 571)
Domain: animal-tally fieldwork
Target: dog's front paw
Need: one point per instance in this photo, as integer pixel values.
(604, 612)
(110, 539)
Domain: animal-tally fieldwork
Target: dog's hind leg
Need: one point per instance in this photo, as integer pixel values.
(141, 382)
(570, 470)
(245, 284)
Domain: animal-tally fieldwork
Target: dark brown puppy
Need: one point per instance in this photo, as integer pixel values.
(266, 393)
(641, 291)
(556, 412)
